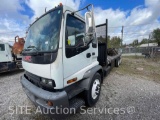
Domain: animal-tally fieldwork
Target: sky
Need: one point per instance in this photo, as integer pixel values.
(139, 17)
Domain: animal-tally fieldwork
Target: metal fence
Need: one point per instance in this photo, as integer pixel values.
(151, 51)
(140, 49)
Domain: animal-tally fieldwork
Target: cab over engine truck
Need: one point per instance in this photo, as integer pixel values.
(63, 61)
(10, 56)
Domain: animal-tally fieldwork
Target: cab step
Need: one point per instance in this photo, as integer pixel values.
(75, 104)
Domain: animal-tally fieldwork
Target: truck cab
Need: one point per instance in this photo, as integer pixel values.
(5, 52)
(6, 59)
(60, 60)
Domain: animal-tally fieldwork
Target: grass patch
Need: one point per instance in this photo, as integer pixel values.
(130, 65)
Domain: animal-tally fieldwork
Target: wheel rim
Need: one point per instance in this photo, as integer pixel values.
(95, 89)
(120, 61)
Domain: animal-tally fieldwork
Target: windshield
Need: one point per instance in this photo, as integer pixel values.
(43, 35)
(2, 48)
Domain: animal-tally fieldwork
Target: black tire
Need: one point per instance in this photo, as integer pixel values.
(90, 101)
(117, 62)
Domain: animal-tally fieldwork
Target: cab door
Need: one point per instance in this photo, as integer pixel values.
(3, 53)
(77, 57)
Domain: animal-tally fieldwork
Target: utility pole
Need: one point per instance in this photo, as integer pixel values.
(106, 34)
(150, 51)
(148, 40)
(122, 36)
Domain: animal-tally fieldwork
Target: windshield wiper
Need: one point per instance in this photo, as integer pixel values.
(32, 48)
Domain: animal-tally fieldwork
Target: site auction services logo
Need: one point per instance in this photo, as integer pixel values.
(60, 110)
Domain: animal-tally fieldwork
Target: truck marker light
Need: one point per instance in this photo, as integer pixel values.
(49, 103)
(72, 80)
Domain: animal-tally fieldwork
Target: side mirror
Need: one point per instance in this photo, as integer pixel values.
(90, 24)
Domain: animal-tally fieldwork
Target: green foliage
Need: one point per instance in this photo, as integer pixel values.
(156, 35)
(101, 39)
(114, 42)
(135, 43)
(144, 41)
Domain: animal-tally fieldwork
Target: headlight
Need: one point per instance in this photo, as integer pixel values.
(47, 81)
(44, 80)
(50, 82)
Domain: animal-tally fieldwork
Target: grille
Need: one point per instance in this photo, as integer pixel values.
(36, 80)
(33, 78)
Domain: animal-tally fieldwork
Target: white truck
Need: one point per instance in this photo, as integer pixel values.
(63, 61)
(7, 61)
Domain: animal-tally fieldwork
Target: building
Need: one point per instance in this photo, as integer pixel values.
(150, 45)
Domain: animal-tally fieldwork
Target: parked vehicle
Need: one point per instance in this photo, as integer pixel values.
(10, 56)
(151, 52)
(63, 61)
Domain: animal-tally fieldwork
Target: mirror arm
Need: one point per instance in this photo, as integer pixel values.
(81, 9)
(89, 42)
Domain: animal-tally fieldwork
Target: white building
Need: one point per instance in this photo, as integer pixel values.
(150, 45)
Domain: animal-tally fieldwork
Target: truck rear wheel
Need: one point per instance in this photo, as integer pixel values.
(92, 95)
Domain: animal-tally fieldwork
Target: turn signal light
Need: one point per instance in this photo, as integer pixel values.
(49, 103)
(72, 80)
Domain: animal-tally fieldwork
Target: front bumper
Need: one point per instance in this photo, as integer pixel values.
(40, 97)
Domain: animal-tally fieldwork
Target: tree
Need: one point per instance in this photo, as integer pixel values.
(109, 42)
(156, 35)
(101, 39)
(144, 41)
(115, 42)
(135, 42)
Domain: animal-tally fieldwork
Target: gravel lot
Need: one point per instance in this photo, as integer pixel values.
(127, 93)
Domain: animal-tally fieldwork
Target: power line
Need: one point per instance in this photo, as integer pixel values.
(132, 25)
(12, 32)
(125, 33)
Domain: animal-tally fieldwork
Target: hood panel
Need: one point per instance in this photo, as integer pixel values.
(42, 70)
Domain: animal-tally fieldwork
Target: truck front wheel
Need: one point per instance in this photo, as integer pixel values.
(92, 95)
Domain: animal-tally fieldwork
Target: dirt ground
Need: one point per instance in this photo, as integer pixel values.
(131, 91)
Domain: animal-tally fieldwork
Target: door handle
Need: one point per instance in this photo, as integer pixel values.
(88, 55)
(93, 53)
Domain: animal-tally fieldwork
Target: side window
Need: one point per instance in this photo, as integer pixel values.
(75, 32)
(2, 47)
